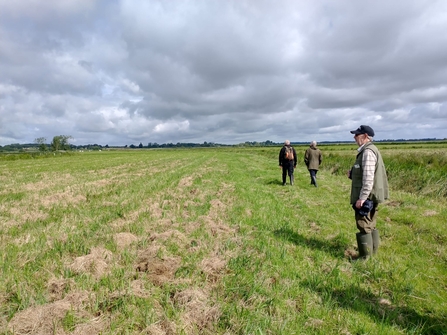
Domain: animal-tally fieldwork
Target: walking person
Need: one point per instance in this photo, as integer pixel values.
(369, 188)
(287, 161)
(313, 158)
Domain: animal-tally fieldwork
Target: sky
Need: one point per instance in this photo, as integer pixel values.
(122, 72)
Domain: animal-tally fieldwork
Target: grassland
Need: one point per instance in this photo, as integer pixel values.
(208, 241)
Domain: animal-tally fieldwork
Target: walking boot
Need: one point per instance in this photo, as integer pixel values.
(365, 245)
(376, 240)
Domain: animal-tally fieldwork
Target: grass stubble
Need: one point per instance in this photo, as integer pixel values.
(208, 241)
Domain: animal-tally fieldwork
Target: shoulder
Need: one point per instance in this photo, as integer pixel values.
(369, 154)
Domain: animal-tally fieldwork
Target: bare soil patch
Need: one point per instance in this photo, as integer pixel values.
(199, 313)
(95, 263)
(47, 319)
(123, 240)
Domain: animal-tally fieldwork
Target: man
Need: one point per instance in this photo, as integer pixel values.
(369, 188)
(287, 161)
(313, 159)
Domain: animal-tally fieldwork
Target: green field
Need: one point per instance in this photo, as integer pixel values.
(208, 241)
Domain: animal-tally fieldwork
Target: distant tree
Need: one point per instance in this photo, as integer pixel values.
(41, 141)
(132, 146)
(60, 142)
(140, 145)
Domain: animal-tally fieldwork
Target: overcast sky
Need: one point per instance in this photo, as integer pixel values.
(122, 72)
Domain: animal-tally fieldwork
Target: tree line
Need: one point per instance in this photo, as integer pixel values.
(62, 143)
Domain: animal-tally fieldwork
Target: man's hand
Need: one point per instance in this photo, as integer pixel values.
(359, 203)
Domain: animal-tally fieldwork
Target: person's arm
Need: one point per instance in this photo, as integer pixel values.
(369, 162)
(306, 158)
(281, 155)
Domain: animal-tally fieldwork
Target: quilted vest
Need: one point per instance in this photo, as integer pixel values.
(379, 192)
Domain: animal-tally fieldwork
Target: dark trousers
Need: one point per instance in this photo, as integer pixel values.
(287, 168)
(313, 176)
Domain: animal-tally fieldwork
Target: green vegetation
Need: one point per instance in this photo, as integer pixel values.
(208, 241)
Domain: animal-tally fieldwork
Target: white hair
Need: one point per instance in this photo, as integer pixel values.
(313, 144)
(286, 142)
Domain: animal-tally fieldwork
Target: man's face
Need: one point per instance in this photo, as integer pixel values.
(360, 139)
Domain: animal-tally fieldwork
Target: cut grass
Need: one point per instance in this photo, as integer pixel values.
(208, 241)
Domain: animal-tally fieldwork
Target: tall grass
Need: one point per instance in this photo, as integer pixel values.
(421, 170)
(208, 241)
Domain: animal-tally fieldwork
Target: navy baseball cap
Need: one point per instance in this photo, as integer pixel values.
(363, 130)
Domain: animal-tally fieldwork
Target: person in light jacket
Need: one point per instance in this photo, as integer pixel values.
(313, 158)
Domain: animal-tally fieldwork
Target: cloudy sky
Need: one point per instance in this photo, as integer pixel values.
(122, 72)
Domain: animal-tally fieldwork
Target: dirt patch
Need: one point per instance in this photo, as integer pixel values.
(92, 327)
(40, 319)
(95, 263)
(160, 270)
(62, 198)
(102, 182)
(430, 213)
(173, 234)
(199, 313)
(214, 268)
(28, 214)
(57, 288)
(37, 186)
(186, 182)
(155, 210)
(394, 203)
(163, 327)
(218, 229)
(24, 239)
(217, 206)
(123, 240)
(139, 290)
(351, 254)
(47, 319)
(314, 227)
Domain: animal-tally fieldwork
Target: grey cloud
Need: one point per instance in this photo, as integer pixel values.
(228, 71)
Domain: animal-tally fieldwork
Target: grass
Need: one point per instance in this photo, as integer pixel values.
(208, 241)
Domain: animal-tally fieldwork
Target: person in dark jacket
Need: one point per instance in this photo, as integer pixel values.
(313, 158)
(369, 187)
(288, 164)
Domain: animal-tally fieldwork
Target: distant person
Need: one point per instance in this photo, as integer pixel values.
(287, 161)
(313, 158)
(369, 188)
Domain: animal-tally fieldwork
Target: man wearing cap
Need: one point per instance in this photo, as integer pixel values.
(369, 186)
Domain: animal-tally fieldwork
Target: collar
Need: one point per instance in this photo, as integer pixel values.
(360, 148)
